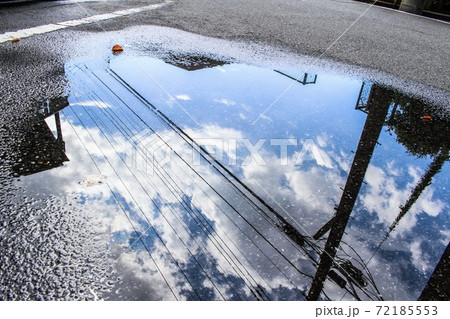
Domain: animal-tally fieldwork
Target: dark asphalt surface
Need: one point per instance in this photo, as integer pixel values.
(391, 41)
(404, 45)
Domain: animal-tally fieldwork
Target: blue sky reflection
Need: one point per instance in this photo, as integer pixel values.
(183, 228)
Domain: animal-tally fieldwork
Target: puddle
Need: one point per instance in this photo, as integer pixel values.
(215, 180)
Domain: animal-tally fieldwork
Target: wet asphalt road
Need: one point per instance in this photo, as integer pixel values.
(408, 46)
(402, 45)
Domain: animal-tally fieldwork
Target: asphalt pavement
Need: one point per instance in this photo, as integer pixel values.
(405, 45)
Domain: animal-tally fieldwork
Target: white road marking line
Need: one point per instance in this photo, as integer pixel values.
(24, 33)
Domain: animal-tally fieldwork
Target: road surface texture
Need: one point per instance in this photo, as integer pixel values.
(412, 49)
(405, 45)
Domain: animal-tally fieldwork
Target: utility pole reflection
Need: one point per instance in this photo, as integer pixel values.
(438, 286)
(378, 105)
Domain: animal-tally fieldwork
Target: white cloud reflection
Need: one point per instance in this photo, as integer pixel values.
(308, 193)
(180, 242)
(183, 97)
(225, 102)
(384, 197)
(207, 239)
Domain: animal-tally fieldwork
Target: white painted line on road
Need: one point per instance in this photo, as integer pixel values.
(100, 17)
(24, 33)
(36, 30)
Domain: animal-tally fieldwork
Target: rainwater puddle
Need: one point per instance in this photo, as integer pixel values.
(215, 180)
